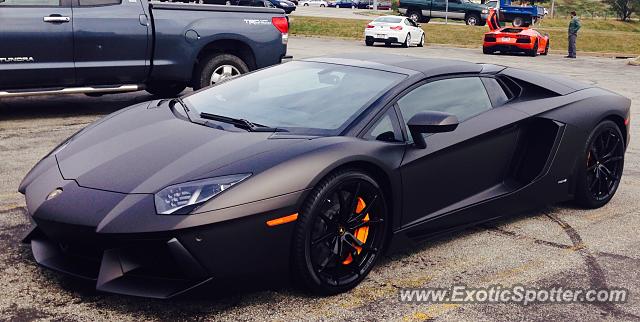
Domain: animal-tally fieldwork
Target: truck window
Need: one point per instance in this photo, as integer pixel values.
(92, 3)
(31, 3)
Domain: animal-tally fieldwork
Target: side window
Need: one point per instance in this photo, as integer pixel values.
(385, 129)
(463, 97)
(91, 3)
(31, 3)
(496, 92)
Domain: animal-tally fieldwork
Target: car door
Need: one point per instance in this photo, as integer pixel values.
(112, 42)
(438, 8)
(413, 27)
(417, 28)
(36, 44)
(457, 166)
(456, 9)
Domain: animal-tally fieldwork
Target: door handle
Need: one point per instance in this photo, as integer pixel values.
(56, 19)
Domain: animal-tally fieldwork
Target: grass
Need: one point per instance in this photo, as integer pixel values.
(620, 39)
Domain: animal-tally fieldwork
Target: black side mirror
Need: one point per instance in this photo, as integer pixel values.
(430, 122)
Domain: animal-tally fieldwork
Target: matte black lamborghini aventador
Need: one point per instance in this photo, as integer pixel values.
(314, 168)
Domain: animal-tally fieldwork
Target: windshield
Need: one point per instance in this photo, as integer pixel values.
(301, 97)
(388, 19)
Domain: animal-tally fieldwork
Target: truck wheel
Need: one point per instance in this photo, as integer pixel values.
(165, 89)
(415, 15)
(218, 67)
(472, 19)
(517, 22)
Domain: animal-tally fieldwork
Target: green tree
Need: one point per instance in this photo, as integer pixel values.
(624, 8)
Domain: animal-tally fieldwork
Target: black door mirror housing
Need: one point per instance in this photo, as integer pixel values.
(430, 122)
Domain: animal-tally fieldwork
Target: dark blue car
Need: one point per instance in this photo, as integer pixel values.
(342, 4)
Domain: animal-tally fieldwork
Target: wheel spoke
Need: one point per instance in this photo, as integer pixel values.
(594, 152)
(323, 238)
(608, 173)
(344, 208)
(611, 159)
(322, 266)
(594, 181)
(363, 213)
(612, 150)
(353, 239)
(357, 225)
(326, 219)
(354, 198)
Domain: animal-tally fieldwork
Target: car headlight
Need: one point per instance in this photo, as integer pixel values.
(183, 198)
(485, 11)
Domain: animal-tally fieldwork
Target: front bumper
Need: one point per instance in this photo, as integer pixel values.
(119, 242)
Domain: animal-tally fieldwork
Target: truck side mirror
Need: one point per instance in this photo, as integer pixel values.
(430, 122)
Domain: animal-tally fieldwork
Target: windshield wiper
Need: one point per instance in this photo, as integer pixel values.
(179, 100)
(241, 123)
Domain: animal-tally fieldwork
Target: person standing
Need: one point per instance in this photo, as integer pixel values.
(574, 26)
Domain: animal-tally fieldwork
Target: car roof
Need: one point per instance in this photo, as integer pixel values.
(404, 64)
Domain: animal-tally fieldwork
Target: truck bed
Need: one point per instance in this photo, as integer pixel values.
(184, 31)
(212, 7)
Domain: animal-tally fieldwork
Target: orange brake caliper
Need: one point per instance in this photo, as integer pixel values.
(361, 233)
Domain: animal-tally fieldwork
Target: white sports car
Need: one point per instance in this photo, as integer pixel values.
(313, 3)
(394, 29)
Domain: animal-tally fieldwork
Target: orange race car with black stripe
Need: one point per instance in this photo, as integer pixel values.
(516, 39)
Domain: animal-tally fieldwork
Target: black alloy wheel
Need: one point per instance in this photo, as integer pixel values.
(340, 232)
(601, 171)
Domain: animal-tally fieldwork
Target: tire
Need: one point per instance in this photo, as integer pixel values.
(324, 259)
(321, 6)
(472, 19)
(165, 89)
(415, 15)
(407, 41)
(212, 63)
(305, 5)
(368, 42)
(517, 22)
(487, 51)
(592, 167)
(534, 52)
(421, 43)
(546, 49)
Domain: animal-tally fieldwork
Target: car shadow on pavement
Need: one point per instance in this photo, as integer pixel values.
(40, 107)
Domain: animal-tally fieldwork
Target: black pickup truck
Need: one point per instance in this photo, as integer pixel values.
(106, 46)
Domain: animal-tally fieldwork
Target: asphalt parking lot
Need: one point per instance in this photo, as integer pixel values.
(558, 245)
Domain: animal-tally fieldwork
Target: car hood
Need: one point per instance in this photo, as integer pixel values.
(143, 150)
